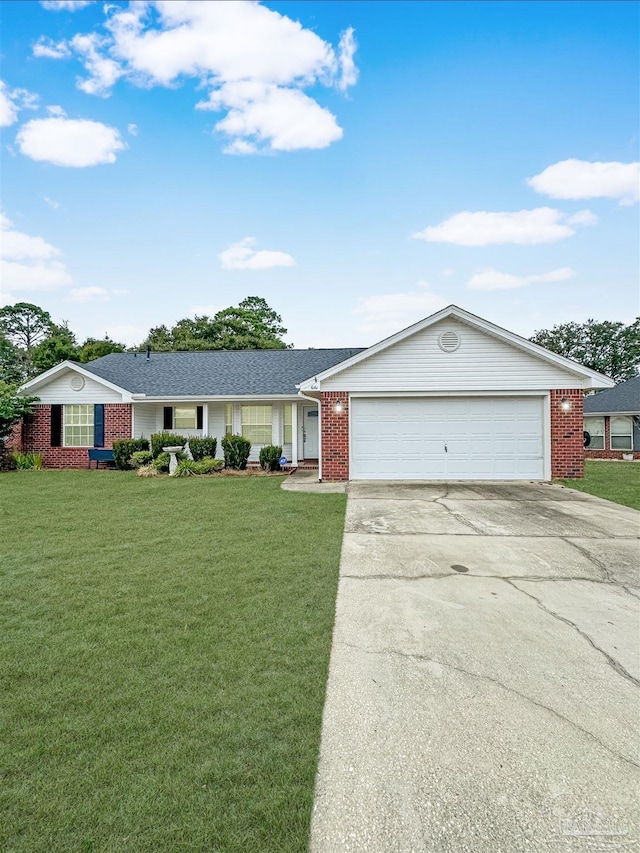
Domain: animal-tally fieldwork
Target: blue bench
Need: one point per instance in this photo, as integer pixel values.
(99, 454)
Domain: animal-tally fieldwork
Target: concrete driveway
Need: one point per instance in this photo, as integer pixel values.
(484, 681)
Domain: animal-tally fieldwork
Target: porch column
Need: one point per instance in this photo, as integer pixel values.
(205, 419)
(294, 433)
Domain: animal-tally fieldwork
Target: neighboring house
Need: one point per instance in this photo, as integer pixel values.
(612, 419)
(451, 397)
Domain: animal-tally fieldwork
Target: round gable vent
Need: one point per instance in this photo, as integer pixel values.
(77, 382)
(449, 341)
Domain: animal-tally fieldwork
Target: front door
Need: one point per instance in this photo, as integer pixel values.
(310, 432)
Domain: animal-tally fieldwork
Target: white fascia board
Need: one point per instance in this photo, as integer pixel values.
(612, 414)
(44, 378)
(594, 379)
(208, 398)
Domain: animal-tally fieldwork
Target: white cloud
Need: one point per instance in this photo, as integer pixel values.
(483, 228)
(66, 5)
(242, 256)
(103, 72)
(254, 62)
(12, 101)
(52, 204)
(387, 313)
(583, 217)
(583, 179)
(69, 142)
(49, 49)
(495, 280)
(89, 294)
(132, 129)
(346, 51)
(56, 111)
(17, 246)
(286, 119)
(29, 263)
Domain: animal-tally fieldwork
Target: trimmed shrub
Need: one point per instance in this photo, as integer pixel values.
(124, 448)
(270, 457)
(165, 439)
(236, 451)
(209, 465)
(140, 458)
(191, 468)
(27, 461)
(201, 447)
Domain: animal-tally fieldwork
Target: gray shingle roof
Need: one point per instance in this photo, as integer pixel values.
(625, 397)
(216, 373)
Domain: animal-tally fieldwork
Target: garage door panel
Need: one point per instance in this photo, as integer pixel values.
(485, 438)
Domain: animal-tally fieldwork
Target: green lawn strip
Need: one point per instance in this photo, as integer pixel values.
(616, 481)
(164, 655)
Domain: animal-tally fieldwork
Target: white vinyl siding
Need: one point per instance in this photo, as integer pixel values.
(145, 420)
(621, 433)
(59, 390)
(447, 438)
(78, 426)
(595, 428)
(481, 363)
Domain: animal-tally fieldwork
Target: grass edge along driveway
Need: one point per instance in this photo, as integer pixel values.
(165, 647)
(615, 481)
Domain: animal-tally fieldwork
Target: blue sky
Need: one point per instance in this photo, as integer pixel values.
(358, 164)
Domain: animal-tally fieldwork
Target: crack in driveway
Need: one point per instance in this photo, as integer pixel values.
(481, 677)
(613, 663)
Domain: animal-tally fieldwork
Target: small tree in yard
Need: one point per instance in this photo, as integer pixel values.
(12, 409)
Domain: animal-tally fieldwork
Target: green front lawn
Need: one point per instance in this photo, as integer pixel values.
(615, 481)
(164, 651)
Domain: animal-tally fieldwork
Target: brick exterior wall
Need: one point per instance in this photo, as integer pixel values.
(567, 435)
(335, 435)
(36, 435)
(607, 453)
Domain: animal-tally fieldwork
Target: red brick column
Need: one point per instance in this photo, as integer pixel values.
(567, 435)
(335, 435)
(117, 422)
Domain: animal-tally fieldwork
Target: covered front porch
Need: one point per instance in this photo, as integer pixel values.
(288, 422)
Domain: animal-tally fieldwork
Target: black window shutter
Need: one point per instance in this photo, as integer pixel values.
(199, 417)
(56, 425)
(98, 425)
(168, 417)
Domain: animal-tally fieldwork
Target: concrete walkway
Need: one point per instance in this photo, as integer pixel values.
(483, 692)
(306, 480)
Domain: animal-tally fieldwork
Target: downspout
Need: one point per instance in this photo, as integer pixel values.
(317, 402)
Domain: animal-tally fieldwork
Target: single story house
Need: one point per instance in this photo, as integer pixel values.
(612, 421)
(451, 397)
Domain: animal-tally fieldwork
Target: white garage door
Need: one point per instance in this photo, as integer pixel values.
(447, 438)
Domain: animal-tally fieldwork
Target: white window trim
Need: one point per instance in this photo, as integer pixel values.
(83, 426)
(620, 434)
(588, 418)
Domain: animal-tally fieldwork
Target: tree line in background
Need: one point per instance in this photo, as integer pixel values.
(31, 342)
